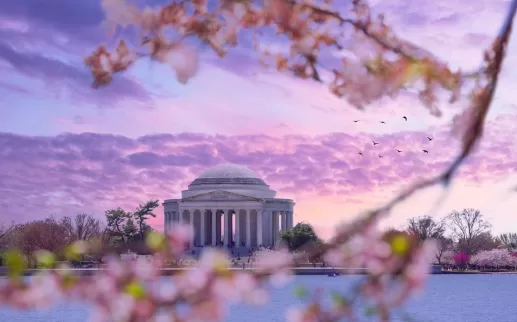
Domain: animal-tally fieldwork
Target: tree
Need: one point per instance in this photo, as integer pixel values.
(461, 259)
(81, 227)
(444, 245)
(300, 236)
(130, 230)
(47, 234)
(425, 227)
(508, 240)
(466, 226)
(142, 214)
(4, 234)
(494, 258)
(483, 241)
(116, 221)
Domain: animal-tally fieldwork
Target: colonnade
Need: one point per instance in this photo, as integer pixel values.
(236, 227)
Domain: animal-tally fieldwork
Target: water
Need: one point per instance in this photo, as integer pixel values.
(447, 298)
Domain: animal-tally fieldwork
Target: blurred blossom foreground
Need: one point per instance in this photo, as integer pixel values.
(130, 287)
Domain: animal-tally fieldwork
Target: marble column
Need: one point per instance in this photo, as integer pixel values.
(274, 227)
(277, 227)
(214, 227)
(269, 229)
(237, 228)
(190, 221)
(230, 226)
(226, 223)
(284, 221)
(203, 229)
(260, 214)
(291, 220)
(248, 227)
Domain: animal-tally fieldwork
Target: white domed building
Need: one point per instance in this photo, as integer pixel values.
(230, 205)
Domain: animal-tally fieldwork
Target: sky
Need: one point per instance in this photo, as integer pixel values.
(66, 148)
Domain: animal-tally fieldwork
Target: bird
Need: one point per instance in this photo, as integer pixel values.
(360, 153)
(356, 121)
(430, 139)
(398, 150)
(380, 156)
(375, 143)
(405, 118)
(383, 122)
(425, 151)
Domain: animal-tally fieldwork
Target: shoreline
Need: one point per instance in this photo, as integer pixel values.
(177, 270)
(321, 271)
(302, 271)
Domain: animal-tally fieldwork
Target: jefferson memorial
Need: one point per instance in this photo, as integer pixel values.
(230, 205)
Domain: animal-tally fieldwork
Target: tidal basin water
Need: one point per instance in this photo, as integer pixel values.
(447, 298)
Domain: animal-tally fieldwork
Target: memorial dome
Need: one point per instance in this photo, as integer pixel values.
(228, 173)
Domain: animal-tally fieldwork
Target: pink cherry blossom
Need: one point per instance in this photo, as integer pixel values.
(178, 238)
(417, 270)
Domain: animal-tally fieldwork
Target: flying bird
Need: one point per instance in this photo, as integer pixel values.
(380, 156)
(360, 153)
(356, 121)
(398, 150)
(425, 151)
(430, 139)
(405, 118)
(383, 122)
(375, 143)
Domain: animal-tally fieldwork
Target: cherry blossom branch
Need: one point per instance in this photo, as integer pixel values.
(475, 115)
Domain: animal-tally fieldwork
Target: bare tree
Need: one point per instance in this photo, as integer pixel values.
(4, 234)
(466, 227)
(425, 227)
(444, 245)
(47, 234)
(509, 240)
(480, 242)
(81, 227)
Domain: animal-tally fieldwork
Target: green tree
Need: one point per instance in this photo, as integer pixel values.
(130, 229)
(142, 214)
(302, 235)
(116, 224)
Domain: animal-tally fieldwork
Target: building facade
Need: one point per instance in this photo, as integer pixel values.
(230, 205)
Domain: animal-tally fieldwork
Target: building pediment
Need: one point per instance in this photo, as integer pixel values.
(220, 196)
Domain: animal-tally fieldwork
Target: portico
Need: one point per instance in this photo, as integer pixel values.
(229, 205)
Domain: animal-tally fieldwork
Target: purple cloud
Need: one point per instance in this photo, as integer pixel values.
(74, 78)
(80, 18)
(93, 172)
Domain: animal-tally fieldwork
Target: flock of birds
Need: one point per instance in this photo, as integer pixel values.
(399, 151)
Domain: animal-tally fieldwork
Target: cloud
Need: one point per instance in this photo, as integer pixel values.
(93, 172)
(74, 78)
(72, 16)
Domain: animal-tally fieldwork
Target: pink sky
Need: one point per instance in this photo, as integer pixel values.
(65, 148)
